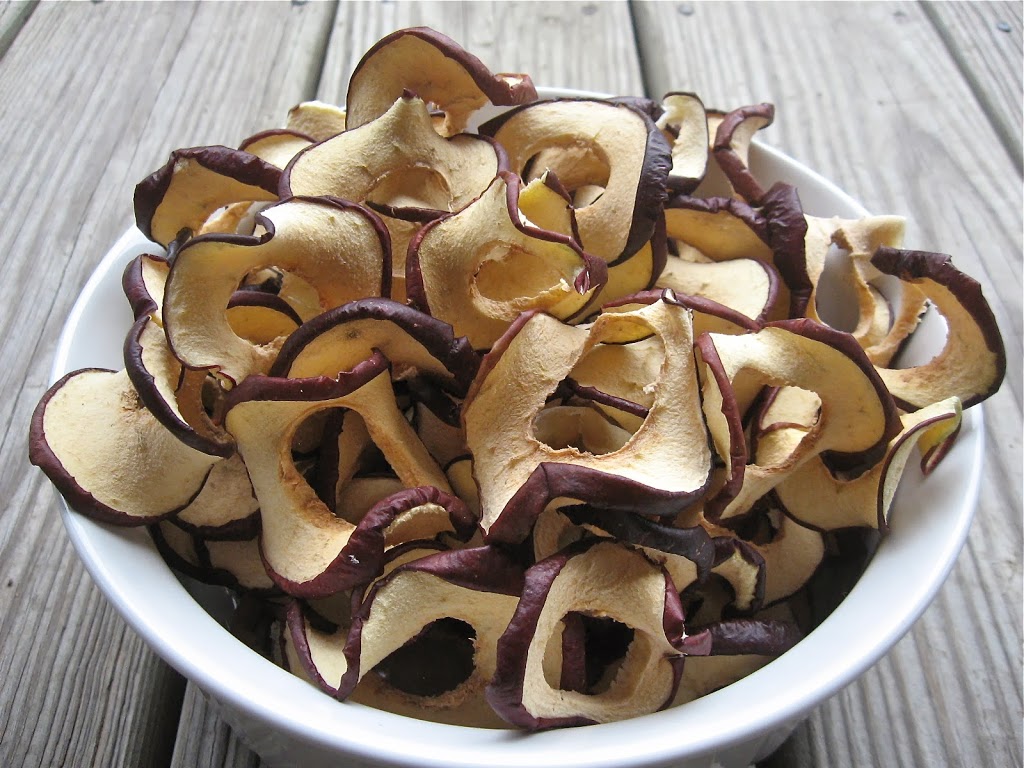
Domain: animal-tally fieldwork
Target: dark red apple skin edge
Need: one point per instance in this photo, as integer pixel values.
(729, 161)
(205, 572)
(787, 234)
(919, 266)
(454, 353)
(497, 90)
(146, 386)
(237, 164)
(726, 547)
(484, 569)
(80, 500)
(707, 355)
(247, 142)
(763, 637)
(242, 529)
(695, 544)
(362, 558)
(652, 186)
(257, 298)
(695, 303)
(295, 625)
(134, 286)
(505, 692)
(593, 275)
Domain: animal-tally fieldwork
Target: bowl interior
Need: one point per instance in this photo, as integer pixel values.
(930, 520)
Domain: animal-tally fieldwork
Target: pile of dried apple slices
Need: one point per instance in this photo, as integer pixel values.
(539, 425)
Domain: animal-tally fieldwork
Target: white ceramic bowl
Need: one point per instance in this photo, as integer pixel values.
(292, 724)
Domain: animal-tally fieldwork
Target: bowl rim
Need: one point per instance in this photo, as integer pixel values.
(696, 728)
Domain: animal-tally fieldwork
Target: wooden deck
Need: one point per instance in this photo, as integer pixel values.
(913, 108)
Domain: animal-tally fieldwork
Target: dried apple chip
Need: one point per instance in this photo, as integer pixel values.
(194, 183)
(435, 68)
(309, 551)
(972, 362)
(858, 415)
(106, 453)
(276, 146)
(818, 498)
(685, 121)
(340, 248)
(664, 466)
(316, 119)
(479, 269)
(600, 579)
(622, 219)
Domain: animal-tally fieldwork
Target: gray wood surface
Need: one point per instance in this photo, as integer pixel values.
(912, 109)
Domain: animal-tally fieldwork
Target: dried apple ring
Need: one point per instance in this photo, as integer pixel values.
(858, 415)
(316, 119)
(342, 249)
(479, 269)
(637, 157)
(143, 283)
(664, 466)
(107, 454)
(229, 563)
(602, 579)
(817, 498)
(435, 68)
(194, 183)
(732, 146)
(972, 362)
(307, 547)
(225, 507)
(276, 146)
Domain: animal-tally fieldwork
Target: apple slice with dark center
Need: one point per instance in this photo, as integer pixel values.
(663, 467)
(598, 579)
(194, 183)
(435, 68)
(616, 225)
(107, 454)
(340, 248)
(479, 269)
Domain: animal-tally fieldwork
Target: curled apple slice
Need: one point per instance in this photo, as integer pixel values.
(819, 499)
(106, 453)
(731, 147)
(479, 587)
(435, 68)
(858, 415)
(194, 183)
(226, 507)
(143, 283)
(972, 362)
(685, 123)
(664, 466)
(637, 158)
(173, 395)
(598, 579)
(316, 119)
(479, 269)
(397, 160)
(415, 343)
(276, 146)
(308, 550)
(229, 563)
(340, 248)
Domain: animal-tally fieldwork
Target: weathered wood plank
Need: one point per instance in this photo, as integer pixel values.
(205, 739)
(586, 45)
(13, 15)
(95, 96)
(863, 95)
(985, 40)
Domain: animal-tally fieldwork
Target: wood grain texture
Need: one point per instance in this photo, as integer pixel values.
(205, 739)
(586, 45)
(95, 96)
(13, 15)
(985, 40)
(870, 109)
